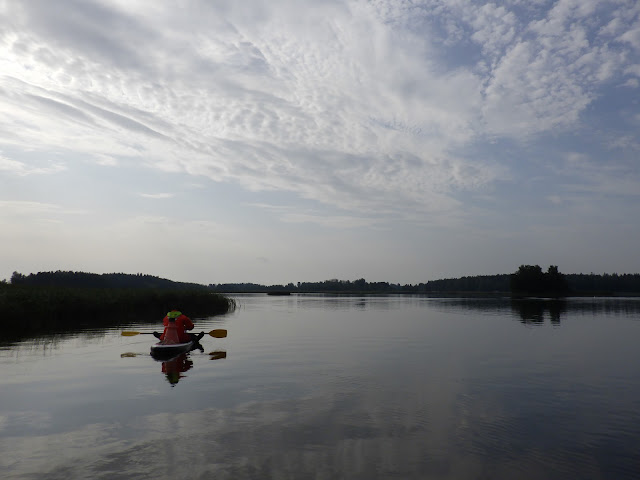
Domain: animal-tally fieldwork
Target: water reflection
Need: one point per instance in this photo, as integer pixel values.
(328, 302)
(534, 311)
(440, 389)
(174, 368)
(217, 355)
(341, 435)
(45, 328)
(52, 340)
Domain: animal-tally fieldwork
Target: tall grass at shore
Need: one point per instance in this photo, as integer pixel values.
(27, 310)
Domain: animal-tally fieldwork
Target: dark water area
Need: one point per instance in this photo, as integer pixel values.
(326, 387)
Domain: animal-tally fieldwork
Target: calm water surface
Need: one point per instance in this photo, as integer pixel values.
(320, 387)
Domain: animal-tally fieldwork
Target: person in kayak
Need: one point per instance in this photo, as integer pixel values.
(175, 326)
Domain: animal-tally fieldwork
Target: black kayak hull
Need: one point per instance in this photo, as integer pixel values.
(160, 351)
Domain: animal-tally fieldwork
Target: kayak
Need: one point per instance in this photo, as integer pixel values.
(167, 351)
(163, 351)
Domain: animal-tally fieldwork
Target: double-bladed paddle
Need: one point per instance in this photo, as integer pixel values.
(217, 333)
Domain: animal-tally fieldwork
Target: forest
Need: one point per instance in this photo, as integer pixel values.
(49, 302)
(94, 280)
(528, 278)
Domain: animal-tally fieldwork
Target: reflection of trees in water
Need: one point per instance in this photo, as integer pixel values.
(623, 306)
(347, 302)
(49, 342)
(532, 311)
(47, 330)
(483, 304)
(609, 306)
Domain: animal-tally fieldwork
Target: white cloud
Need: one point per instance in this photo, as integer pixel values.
(584, 175)
(551, 73)
(632, 37)
(398, 111)
(290, 214)
(238, 94)
(329, 221)
(157, 195)
(625, 141)
(276, 104)
(633, 70)
(20, 208)
(22, 169)
(495, 28)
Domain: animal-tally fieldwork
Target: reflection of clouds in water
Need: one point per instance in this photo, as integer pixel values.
(423, 395)
(314, 437)
(309, 438)
(67, 455)
(26, 420)
(446, 433)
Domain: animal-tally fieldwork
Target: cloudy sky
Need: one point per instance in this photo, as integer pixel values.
(290, 140)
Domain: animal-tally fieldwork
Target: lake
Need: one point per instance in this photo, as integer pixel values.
(327, 387)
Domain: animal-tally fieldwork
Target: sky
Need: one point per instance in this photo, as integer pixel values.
(290, 140)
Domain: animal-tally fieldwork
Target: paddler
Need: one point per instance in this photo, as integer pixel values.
(175, 325)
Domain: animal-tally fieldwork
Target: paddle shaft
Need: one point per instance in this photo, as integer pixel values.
(217, 333)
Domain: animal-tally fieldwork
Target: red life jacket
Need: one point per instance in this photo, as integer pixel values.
(178, 327)
(171, 335)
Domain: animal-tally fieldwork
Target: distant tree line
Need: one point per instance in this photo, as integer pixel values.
(479, 283)
(495, 283)
(94, 280)
(528, 278)
(326, 286)
(605, 283)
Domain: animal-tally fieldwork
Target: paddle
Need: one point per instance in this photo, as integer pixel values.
(217, 333)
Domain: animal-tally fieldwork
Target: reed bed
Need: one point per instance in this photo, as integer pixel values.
(27, 310)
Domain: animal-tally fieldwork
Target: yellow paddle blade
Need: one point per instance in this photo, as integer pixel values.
(218, 333)
(129, 334)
